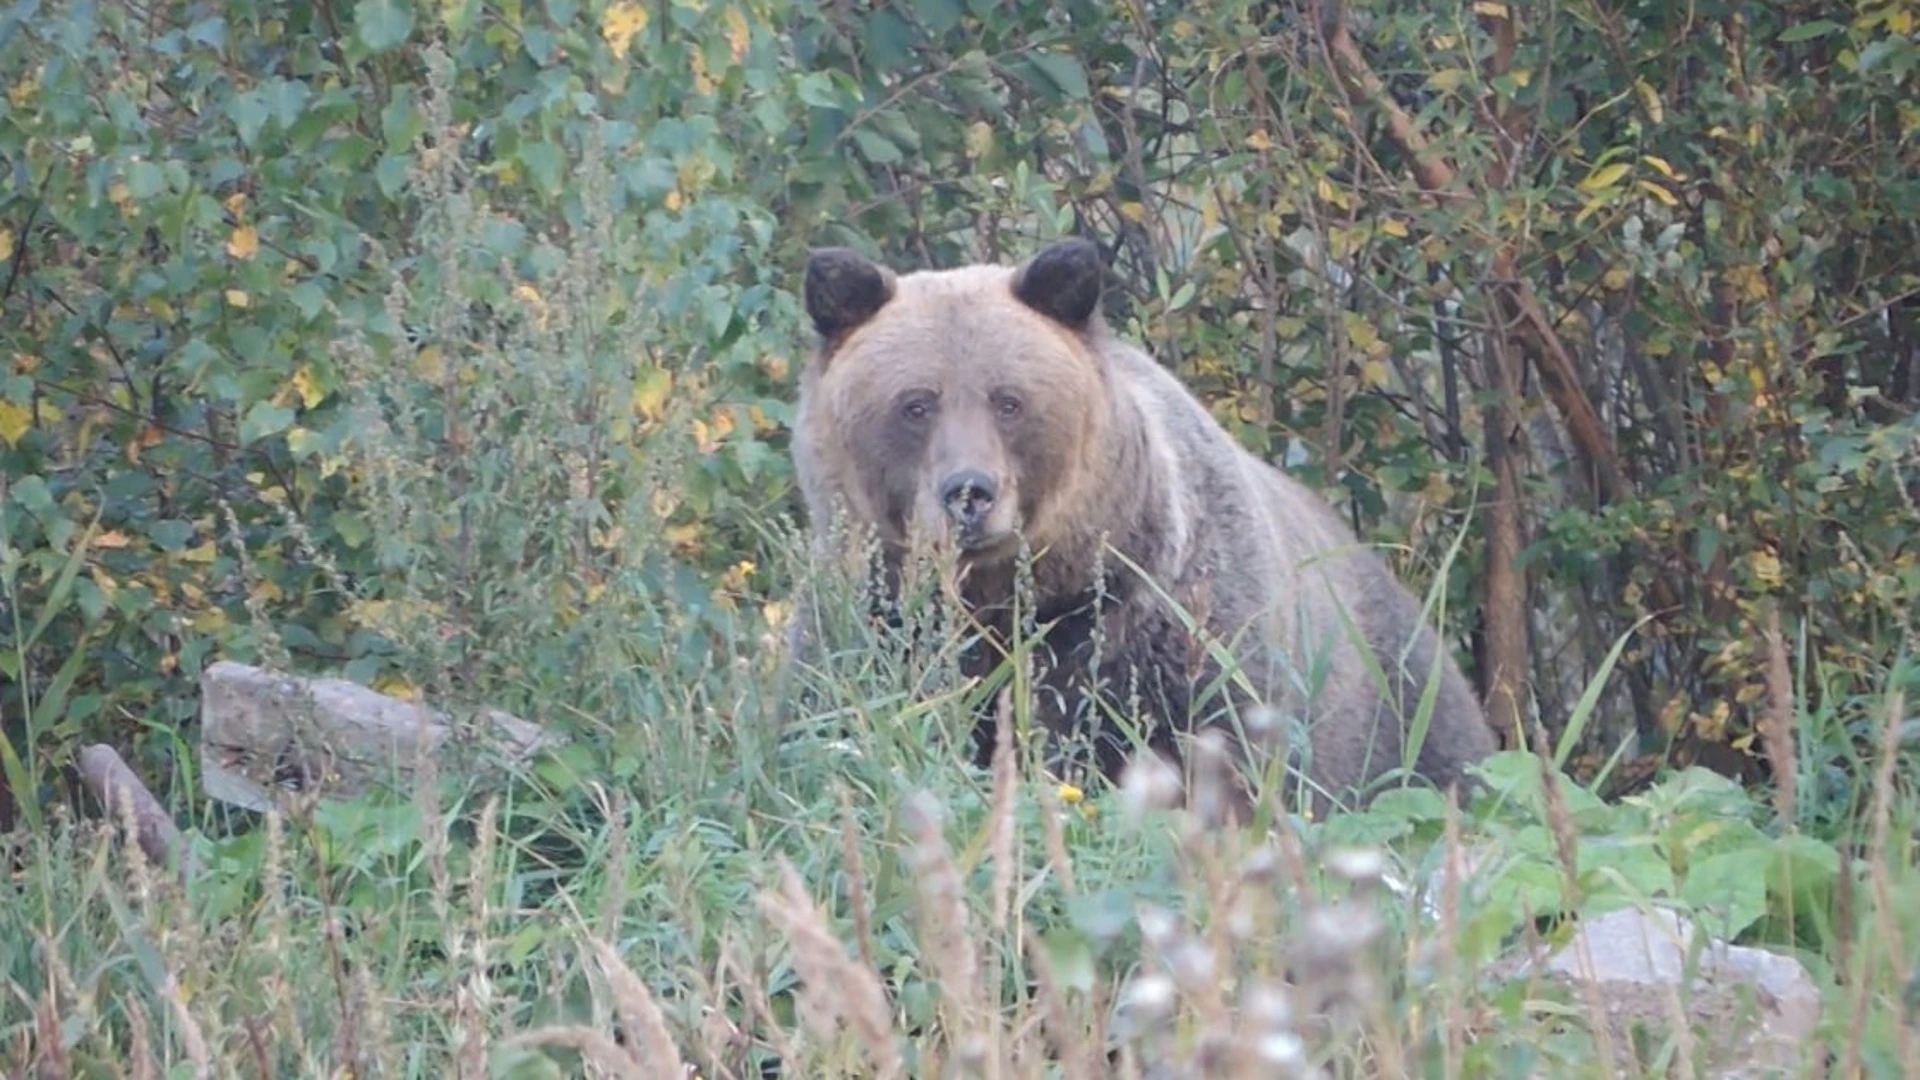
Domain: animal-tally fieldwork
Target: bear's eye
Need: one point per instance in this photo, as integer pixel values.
(916, 408)
(1006, 406)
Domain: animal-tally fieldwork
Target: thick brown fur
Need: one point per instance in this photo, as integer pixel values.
(1108, 466)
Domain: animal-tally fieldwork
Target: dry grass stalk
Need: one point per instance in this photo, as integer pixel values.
(945, 931)
(140, 1064)
(46, 1022)
(1003, 850)
(192, 1040)
(1779, 734)
(856, 870)
(849, 992)
(473, 995)
(614, 899)
(652, 1044)
(588, 1043)
(1001, 836)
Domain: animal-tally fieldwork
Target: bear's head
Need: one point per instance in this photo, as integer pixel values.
(963, 406)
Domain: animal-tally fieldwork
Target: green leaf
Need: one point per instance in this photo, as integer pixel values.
(879, 149)
(263, 420)
(939, 16)
(32, 493)
(171, 534)
(287, 98)
(1731, 887)
(145, 180)
(1807, 31)
(890, 43)
(1064, 72)
(350, 528)
(383, 24)
(249, 113)
(816, 89)
(545, 163)
(1070, 956)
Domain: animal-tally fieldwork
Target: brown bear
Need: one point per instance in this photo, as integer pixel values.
(989, 410)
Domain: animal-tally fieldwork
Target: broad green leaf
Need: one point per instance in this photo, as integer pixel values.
(383, 24)
(1809, 30)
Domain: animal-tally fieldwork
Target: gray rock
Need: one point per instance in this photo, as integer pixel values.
(262, 732)
(1753, 1012)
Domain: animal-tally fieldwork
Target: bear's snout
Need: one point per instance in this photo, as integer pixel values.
(967, 495)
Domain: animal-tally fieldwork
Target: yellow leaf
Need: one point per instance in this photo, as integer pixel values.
(15, 419)
(1447, 79)
(1900, 21)
(776, 365)
(650, 392)
(619, 23)
(1393, 227)
(1650, 100)
(1359, 331)
(1134, 212)
(1373, 374)
(1660, 163)
(21, 92)
(979, 141)
(1616, 277)
(202, 554)
(238, 298)
(1766, 567)
(112, 538)
(1490, 8)
(1070, 794)
(1260, 140)
(674, 201)
(309, 389)
(396, 686)
(244, 243)
(739, 35)
(430, 364)
(683, 538)
(664, 502)
(6, 243)
(1604, 176)
(1658, 192)
(1593, 206)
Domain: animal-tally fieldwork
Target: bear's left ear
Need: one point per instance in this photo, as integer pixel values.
(843, 289)
(1062, 282)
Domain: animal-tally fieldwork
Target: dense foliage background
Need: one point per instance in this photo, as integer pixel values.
(449, 345)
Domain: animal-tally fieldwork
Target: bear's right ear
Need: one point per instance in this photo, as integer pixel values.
(1062, 282)
(843, 289)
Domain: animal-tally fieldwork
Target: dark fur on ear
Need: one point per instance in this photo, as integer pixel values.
(1063, 282)
(843, 289)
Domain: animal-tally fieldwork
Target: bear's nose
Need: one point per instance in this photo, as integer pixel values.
(968, 495)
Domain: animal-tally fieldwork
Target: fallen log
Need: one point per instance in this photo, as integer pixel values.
(113, 782)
